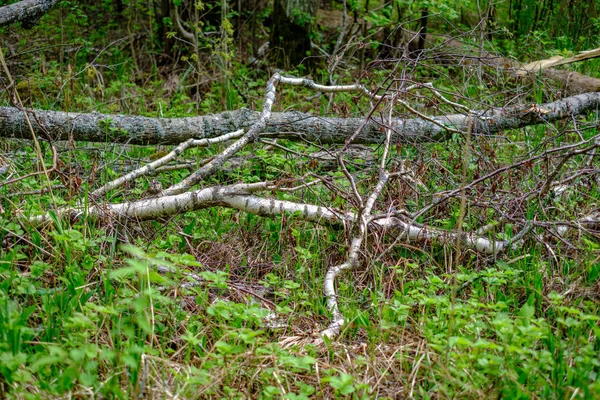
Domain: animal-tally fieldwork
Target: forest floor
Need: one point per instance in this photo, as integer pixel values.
(110, 309)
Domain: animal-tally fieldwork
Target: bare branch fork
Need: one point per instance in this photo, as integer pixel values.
(364, 216)
(150, 169)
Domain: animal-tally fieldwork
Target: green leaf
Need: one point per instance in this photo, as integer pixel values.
(528, 309)
(343, 384)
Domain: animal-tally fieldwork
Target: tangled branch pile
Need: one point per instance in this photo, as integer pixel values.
(480, 185)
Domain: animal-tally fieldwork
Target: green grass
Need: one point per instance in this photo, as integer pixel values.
(89, 321)
(81, 314)
(92, 310)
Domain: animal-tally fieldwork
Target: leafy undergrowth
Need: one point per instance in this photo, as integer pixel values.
(222, 304)
(83, 315)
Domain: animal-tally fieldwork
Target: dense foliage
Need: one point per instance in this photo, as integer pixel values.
(111, 310)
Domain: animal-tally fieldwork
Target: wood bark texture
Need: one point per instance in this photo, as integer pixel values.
(95, 127)
(28, 12)
(238, 197)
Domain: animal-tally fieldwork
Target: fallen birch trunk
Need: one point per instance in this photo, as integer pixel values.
(555, 61)
(95, 127)
(570, 82)
(240, 197)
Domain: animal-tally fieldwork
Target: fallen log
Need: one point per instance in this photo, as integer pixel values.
(570, 82)
(558, 60)
(125, 129)
(28, 12)
(240, 197)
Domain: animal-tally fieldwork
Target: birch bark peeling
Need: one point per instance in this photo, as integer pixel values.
(239, 197)
(290, 125)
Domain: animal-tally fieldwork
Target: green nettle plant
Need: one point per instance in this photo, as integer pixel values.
(353, 199)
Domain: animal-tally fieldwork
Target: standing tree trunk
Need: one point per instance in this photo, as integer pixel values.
(517, 16)
(364, 35)
(490, 20)
(422, 34)
(292, 29)
(165, 40)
